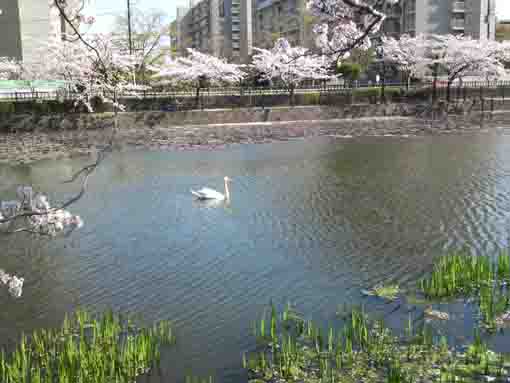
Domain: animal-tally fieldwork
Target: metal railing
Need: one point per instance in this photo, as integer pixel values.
(260, 96)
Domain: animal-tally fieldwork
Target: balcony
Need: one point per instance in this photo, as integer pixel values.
(458, 7)
(457, 24)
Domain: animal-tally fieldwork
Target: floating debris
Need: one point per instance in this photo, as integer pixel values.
(441, 315)
(389, 292)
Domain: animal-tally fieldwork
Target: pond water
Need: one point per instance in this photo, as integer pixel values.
(310, 222)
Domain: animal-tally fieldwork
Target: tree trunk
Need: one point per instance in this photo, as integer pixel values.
(291, 95)
(197, 97)
(434, 85)
(448, 88)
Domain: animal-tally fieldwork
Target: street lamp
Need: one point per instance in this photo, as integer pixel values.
(382, 66)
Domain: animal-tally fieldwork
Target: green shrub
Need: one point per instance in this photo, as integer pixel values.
(7, 107)
(311, 98)
(350, 71)
(376, 92)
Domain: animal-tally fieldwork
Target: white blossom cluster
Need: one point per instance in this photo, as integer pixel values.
(345, 24)
(92, 67)
(9, 68)
(39, 216)
(13, 283)
(197, 66)
(289, 64)
(457, 56)
(408, 53)
(334, 42)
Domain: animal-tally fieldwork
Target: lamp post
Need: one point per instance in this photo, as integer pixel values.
(382, 66)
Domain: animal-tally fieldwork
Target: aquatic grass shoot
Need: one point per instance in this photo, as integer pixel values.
(365, 350)
(87, 349)
(481, 278)
(459, 274)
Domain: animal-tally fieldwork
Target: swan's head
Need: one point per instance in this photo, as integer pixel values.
(227, 179)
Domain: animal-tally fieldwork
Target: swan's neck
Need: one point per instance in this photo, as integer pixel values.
(227, 192)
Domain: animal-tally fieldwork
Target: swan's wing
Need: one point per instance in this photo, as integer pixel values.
(196, 194)
(207, 193)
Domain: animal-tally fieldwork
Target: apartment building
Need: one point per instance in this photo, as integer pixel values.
(203, 27)
(238, 30)
(503, 30)
(475, 18)
(24, 24)
(229, 28)
(282, 18)
(218, 27)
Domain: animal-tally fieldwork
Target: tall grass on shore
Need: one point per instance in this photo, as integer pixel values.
(364, 350)
(86, 349)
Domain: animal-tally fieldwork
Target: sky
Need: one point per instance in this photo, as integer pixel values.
(105, 10)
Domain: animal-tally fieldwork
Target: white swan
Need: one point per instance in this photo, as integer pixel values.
(207, 193)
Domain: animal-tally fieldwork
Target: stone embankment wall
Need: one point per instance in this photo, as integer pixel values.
(31, 137)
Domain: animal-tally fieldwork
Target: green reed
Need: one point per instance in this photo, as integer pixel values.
(361, 349)
(86, 349)
(459, 274)
(479, 277)
(196, 379)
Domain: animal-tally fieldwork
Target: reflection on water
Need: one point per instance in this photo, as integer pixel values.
(310, 222)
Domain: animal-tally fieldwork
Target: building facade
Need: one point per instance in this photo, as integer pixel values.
(282, 18)
(10, 30)
(237, 30)
(230, 28)
(475, 18)
(24, 24)
(221, 28)
(503, 30)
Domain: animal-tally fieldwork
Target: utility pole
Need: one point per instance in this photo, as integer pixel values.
(129, 27)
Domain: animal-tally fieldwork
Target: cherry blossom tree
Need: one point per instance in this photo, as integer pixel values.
(9, 68)
(289, 65)
(198, 69)
(346, 24)
(408, 54)
(91, 66)
(460, 55)
(149, 32)
(456, 56)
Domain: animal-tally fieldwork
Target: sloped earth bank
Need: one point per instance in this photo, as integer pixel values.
(52, 138)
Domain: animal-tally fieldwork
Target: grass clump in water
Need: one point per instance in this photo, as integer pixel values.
(362, 350)
(86, 349)
(459, 274)
(481, 278)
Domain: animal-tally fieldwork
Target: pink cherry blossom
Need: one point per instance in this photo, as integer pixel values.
(288, 64)
(197, 66)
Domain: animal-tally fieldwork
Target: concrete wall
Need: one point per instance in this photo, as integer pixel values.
(10, 37)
